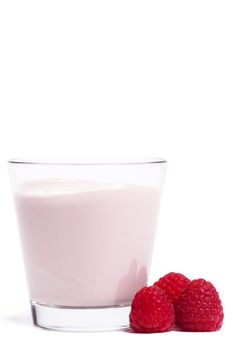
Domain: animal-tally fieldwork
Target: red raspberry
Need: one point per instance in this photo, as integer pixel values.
(199, 308)
(151, 311)
(173, 284)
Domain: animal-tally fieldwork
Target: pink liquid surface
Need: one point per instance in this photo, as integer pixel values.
(86, 243)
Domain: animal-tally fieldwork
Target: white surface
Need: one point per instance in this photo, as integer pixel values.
(123, 78)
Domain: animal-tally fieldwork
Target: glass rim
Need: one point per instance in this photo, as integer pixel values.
(84, 162)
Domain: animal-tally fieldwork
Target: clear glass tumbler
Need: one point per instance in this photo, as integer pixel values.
(87, 231)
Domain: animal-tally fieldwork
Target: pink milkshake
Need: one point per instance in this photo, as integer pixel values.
(87, 232)
(86, 243)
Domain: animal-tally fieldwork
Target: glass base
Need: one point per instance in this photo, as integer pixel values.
(80, 319)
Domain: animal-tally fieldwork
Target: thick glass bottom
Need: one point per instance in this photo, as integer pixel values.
(80, 319)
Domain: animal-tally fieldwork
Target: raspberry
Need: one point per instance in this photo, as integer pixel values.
(173, 284)
(199, 308)
(151, 311)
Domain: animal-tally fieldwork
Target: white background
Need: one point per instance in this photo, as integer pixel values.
(123, 78)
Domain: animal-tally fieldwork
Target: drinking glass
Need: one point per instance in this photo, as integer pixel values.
(87, 232)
